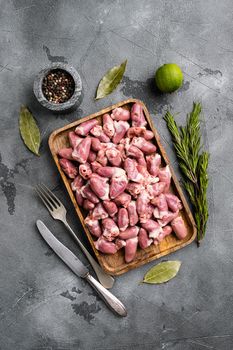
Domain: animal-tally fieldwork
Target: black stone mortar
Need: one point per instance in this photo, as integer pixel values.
(74, 101)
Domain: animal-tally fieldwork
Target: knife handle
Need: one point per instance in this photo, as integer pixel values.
(111, 301)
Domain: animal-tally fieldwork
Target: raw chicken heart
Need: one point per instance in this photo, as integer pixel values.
(119, 181)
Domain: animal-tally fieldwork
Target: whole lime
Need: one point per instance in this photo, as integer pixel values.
(169, 77)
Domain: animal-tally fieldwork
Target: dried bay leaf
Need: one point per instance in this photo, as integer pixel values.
(162, 272)
(110, 80)
(29, 130)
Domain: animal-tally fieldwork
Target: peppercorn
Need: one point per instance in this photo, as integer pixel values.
(58, 86)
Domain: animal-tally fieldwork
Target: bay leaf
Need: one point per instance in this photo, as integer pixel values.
(110, 80)
(29, 130)
(162, 272)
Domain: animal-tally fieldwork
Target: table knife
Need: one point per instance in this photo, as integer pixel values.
(80, 269)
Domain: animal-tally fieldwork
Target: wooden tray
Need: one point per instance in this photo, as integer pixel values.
(115, 264)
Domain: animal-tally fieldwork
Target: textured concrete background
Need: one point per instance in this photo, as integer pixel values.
(42, 304)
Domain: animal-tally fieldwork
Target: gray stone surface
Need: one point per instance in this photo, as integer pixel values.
(42, 304)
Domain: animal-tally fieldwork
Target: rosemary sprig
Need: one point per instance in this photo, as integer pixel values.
(193, 164)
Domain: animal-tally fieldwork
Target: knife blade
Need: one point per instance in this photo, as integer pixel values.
(64, 253)
(80, 269)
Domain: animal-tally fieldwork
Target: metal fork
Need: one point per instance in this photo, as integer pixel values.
(58, 212)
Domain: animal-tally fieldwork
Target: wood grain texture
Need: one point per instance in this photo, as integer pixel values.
(115, 264)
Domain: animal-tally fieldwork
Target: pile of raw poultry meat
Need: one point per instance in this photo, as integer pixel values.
(119, 180)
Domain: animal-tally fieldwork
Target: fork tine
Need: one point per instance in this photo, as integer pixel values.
(53, 204)
(52, 195)
(46, 203)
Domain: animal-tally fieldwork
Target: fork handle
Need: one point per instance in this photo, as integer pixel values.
(106, 280)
